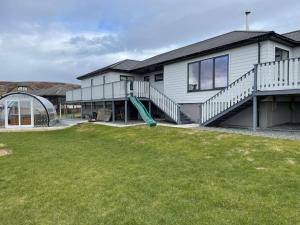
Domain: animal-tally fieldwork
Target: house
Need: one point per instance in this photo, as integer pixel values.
(6, 87)
(237, 79)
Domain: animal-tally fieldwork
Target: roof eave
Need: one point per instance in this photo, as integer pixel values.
(100, 72)
(267, 36)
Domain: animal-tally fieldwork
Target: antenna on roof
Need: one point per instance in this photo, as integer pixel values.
(247, 13)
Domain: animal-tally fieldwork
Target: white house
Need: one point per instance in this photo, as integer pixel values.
(241, 78)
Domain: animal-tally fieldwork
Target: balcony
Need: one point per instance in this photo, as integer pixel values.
(281, 76)
(111, 91)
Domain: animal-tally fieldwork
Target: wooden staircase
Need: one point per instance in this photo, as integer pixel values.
(171, 109)
(229, 101)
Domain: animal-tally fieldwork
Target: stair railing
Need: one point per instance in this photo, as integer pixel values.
(167, 105)
(229, 96)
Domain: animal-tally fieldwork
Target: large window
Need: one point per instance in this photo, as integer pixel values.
(208, 74)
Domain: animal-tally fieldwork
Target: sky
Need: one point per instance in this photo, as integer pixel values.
(59, 40)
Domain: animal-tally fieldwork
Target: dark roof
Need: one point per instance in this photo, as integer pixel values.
(23, 84)
(124, 65)
(53, 91)
(209, 44)
(218, 43)
(295, 35)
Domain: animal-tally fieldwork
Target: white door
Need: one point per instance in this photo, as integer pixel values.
(19, 113)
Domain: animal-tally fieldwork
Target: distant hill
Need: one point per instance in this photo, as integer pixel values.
(32, 86)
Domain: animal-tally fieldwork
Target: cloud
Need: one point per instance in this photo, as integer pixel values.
(59, 40)
(60, 55)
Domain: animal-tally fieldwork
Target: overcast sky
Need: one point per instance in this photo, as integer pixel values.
(58, 40)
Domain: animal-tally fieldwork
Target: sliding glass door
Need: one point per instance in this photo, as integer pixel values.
(19, 113)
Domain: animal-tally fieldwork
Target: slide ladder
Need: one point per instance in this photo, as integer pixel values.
(142, 111)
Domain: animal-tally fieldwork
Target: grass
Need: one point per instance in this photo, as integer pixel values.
(92, 174)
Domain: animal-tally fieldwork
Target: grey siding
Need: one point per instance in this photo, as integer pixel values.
(296, 52)
(109, 78)
(158, 85)
(241, 60)
(192, 110)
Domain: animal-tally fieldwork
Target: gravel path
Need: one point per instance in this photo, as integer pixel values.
(277, 134)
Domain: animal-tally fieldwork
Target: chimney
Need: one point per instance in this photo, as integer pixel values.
(247, 13)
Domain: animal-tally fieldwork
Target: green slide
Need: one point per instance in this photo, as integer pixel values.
(142, 111)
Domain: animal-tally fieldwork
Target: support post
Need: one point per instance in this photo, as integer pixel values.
(200, 114)
(126, 112)
(113, 111)
(254, 122)
(126, 87)
(150, 108)
(255, 78)
(92, 110)
(254, 113)
(178, 115)
(60, 110)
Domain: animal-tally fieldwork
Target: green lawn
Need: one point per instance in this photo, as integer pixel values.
(92, 174)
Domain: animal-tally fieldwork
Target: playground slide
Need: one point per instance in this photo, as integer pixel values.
(142, 111)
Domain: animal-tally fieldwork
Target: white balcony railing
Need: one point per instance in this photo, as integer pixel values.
(279, 75)
(114, 90)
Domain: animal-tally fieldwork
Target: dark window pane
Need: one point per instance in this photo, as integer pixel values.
(146, 78)
(193, 77)
(123, 77)
(159, 77)
(281, 54)
(221, 71)
(206, 74)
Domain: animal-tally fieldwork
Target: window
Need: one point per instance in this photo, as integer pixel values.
(92, 82)
(208, 74)
(221, 72)
(22, 88)
(159, 77)
(281, 54)
(146, 78)
(193, 76)
(124, 77)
